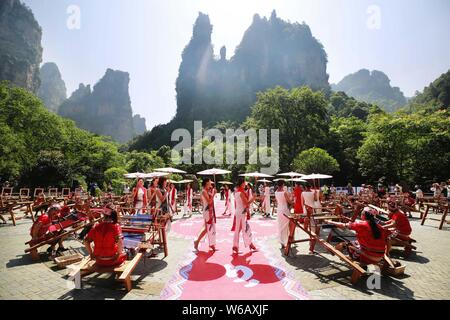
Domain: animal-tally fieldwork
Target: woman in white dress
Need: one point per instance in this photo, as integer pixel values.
(227, 192)
(209, 216)
(266, 200)
(241, 217)
(139, 197)
(311, 202)
(284, 200)
(162, 201)
(188, 202)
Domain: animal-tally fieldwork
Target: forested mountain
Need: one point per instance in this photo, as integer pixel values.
(53, 89)
(20, 45)
(272, 52)
(436, 95)
(105, 110)
(372, 87)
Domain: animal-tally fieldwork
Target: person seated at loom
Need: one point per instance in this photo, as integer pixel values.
(398, 223)
(39, 204)
(108, 240)
(41, 230)
(371, 239)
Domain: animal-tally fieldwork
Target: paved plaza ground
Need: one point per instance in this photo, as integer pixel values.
(300, 276)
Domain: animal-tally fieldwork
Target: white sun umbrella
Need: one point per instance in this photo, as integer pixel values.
(225, 182)
(170, 170)
(298, 180)
(290, 174)
(256, 175)
(316, 176)
(133, 175)
(264, 180)
(213, 172)
(182, 181)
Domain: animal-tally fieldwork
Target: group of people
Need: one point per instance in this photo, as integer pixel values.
(375, 236)
(160, 196)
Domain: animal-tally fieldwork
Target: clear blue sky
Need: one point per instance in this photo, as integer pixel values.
(409, 41)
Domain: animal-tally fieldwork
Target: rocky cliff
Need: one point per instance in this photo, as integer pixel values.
(372, 87)
(106, 110)
(272, 52)
(53, 89)
(139, 124)
(20, 45)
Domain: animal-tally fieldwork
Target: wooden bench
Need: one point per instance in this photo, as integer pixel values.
(33, 249)
(123, 272)
(439, 207)
(294, 223)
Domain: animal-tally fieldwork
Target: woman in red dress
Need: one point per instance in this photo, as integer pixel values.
(108, 241)
(371, 243)
(298, 202)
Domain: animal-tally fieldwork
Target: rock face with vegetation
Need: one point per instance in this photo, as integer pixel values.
(214, 89)
(53, 89)
(437, 95)
(105, 110)
(139, 124)
(20, 45)
(372, 87)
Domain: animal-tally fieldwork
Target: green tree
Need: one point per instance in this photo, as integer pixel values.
(143, 161)
(300, 114)
(346, 136)
(315, 160)
(35, 140)
(411, 148)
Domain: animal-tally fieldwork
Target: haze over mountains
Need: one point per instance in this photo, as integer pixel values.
(272, 52)
(372, 87)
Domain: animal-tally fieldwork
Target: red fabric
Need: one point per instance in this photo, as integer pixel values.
(172, 196)
(410, 201)
(401, 223)
(211, 211)
(61, 225)
(188, 195)
(365, 238)
(104, 235)
(42, 225)
(298, 205)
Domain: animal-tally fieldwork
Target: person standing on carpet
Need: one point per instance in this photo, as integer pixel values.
(241, 217)
(266, 200)
(298, 200)
(226, 191)
(283, 208)
(209, 216)
(188, 203)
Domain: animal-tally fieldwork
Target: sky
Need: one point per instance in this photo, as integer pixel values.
(406, 39)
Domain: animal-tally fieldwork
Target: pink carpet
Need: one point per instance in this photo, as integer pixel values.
(220, 275)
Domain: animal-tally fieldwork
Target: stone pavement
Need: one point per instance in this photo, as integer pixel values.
(427, 274)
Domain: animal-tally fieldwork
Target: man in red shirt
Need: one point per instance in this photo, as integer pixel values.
(398, 223)
(108, 241)
(370, 246)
